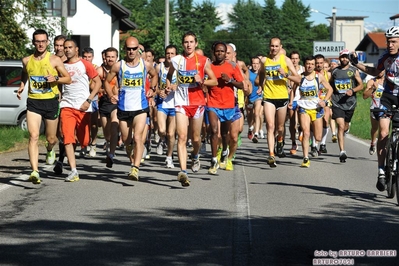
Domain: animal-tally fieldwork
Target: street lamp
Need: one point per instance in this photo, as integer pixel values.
(166, 23)
(334, 23)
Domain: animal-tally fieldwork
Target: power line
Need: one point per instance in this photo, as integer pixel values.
(364, 11)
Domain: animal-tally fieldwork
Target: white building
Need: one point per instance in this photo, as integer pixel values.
(93, 23)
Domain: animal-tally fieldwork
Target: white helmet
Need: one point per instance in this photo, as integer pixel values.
(392, 32)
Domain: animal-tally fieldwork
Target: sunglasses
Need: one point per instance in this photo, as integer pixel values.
(132, 48)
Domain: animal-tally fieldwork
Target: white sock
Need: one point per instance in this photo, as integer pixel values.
(325, 133)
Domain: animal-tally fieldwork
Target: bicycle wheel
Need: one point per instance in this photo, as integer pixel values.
(391, 155)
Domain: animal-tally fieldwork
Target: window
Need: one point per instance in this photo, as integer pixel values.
(10, 76)
(54, 7)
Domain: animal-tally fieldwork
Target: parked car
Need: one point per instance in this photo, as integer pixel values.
(13, 110)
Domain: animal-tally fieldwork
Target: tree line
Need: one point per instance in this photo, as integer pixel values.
(251, 25)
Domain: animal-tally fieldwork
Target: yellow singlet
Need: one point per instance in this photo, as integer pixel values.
(39, 88)
(275, 86)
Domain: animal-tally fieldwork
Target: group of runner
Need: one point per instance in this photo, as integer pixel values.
(191, 98)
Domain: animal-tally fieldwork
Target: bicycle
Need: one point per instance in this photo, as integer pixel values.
(392, 153)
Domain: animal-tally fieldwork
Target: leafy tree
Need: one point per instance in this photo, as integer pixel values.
(13, 39)
(271, 20)
(295, 27)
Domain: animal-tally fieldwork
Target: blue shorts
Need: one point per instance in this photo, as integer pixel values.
(294, 105)
(206, 116)
(167, 111)
(237, 114)
(223, 114)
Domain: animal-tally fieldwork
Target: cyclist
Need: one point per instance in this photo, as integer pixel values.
(389, 61)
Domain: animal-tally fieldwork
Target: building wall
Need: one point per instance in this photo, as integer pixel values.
(351, 32)
(94, 21)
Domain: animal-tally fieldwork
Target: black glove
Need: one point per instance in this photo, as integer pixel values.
(353, 58)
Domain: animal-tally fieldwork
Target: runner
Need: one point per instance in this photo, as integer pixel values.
(107, 109)
(76, 104)
(310, 106)
(133, 107)
(293, 114)
(254, 106)
(166, 108)
(389, 62)
(320, 63)
(222, 104)
(95, 121)
(272, 78)
(44, 72)
(374, 89)
(189, 100)
(345, 81)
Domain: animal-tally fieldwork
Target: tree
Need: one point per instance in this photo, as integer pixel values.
(294, 27)
(13, 39)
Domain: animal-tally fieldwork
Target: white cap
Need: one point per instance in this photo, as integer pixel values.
(233, 46)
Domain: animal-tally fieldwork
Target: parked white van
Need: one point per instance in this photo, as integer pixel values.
(12, 110)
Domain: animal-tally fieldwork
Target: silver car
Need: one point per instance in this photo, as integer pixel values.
(12, 110)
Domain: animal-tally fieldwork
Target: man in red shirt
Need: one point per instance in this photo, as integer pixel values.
(221, 102)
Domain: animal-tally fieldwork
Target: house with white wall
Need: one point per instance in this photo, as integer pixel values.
(93, 23)
(374, 45)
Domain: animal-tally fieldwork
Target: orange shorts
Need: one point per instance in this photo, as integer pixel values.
(77, 121)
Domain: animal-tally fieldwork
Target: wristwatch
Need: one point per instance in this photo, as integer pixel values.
(56, 78)
(88, 100)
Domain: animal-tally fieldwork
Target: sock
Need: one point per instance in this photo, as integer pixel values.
(325, 133)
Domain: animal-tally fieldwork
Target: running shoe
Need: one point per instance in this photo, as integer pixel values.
(182, 177)
(219, 153)
(129, 150)
(169, 163)
(314, 152)
(323, 148)
(229, 165)
(261, 134)
(239, 142)
(294, 148)
(160, 148)
(58, 168)
(381, 184)
(83, 152)
(195, 163)
(223, 163)
(50, 157)
(35, 178)
(189, 144)
(255, 138)
(92, 152)
(214, 167)
(109, 161)
(372, 149)
(300, 138)
(250, 134)
(134, 174)
(271, 161)
(72, 177)
(334, 138)
(342, 156)
(279, 151)
(305, 162)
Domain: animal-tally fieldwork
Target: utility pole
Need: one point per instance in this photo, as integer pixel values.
(334, 24)
(64, 16)
(166, 23)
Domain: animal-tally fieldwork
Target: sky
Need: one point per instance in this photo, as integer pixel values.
(378, 11)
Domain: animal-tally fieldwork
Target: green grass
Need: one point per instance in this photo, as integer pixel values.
(11, 136)
(360, 124)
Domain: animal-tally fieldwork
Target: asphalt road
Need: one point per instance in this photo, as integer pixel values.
(254, 215)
